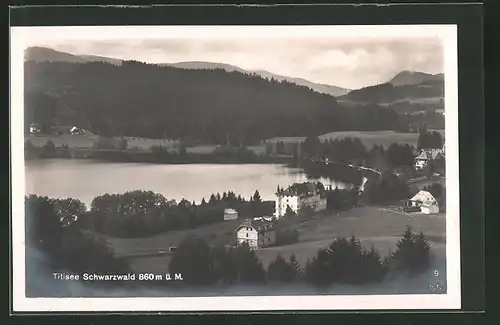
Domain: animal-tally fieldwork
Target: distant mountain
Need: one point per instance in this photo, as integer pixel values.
(320, 88)
(414, 78)
(42, 54)
(407, 88)
(204, 65)
(96, 58)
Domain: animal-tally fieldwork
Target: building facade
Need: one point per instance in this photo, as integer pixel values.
(297, 196)
(425, 156)
(230, 214)
(423, 202)
(256, 233)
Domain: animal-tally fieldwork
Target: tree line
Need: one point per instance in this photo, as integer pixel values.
(429, 140)
(144, 213)
(388, 93)
(214, 106)
(52, 226)
(352, 150)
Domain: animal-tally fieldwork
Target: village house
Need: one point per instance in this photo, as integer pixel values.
(423, 202)
(256, 233)
(425, 156)
(34, 128)
(297, 196)
(75, 131)
(230, 214)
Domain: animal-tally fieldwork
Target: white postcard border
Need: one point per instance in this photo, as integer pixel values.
(451, 300)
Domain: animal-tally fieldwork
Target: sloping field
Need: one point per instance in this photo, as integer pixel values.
(378, 227)
(368, 138)
(146, 144)
(72, 141)
(218, 233)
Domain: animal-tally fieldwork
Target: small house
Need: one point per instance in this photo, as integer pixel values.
(74, 131)
(34, 128)
(426, 156)
(256, 233)
(423, 202)
(230, 214)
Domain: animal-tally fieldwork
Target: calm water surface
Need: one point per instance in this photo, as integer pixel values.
(86, 179)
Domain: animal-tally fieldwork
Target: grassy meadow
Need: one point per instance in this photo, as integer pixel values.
(379, 227)
(368, 138)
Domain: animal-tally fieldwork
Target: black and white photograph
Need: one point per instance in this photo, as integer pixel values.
(226, 168)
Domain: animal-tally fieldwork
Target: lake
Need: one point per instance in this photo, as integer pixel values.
(86, 179)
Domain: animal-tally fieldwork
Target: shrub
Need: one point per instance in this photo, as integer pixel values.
(286, 237)
(193, 259)
(412, 255)
(345, 261)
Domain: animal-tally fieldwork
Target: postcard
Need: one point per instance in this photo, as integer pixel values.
(235, 168)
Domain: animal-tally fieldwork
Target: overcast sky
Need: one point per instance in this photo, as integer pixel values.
(345, 62)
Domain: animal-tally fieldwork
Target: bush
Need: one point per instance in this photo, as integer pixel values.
(306, 211)
(345, 261)
(281, 270)
(388, 188)
(412, 255)
(286, 237)
(194, 261)
(49, 229)
(48, 150)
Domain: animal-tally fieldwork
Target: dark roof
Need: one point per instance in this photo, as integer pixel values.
(300, 189)
(259, 225)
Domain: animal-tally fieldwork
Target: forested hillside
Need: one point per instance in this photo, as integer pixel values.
(146, 100)
(388, 93)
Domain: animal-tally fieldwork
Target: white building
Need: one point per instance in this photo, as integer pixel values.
(34, 129)
(230, 214)
(74, 131)
(425, 201)
(256, 233)
(297, 196)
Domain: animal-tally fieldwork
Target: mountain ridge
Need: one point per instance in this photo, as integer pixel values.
(44, 54)
(407, 77)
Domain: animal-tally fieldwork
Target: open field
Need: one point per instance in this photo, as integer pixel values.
(368, 138)
(72, 141)
(222, 232)
(374, 226)
(379, 227)
(146, 144)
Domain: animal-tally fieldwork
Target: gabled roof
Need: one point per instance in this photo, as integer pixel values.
(422, 155)
(429, 154)
(435, 153)
(424, 197)
(230, 211)
(299, 189)
(261, 225)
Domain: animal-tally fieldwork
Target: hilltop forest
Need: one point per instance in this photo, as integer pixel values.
(212, 106)
(387, 93)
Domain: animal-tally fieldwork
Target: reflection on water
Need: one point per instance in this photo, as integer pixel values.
(86, 179)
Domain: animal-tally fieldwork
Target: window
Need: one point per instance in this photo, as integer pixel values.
(247, 235)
